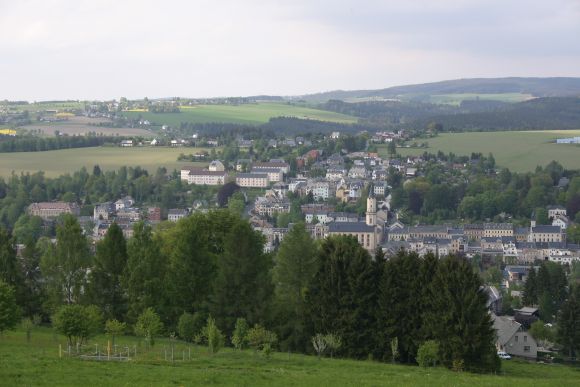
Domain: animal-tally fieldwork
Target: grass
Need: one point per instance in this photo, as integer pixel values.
(518, 151)
(455, 99)
(37, 363)
(58, 162)
(240, 114)
(41, 106)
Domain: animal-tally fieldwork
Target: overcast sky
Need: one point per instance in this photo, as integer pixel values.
(102, 49)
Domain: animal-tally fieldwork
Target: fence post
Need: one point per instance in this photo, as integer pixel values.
(60, 351)
(108, 349)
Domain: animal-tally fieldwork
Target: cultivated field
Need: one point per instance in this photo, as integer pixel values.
(38, 364)
(83, 125)
(239, 114)
(518, 151)
(58, 162)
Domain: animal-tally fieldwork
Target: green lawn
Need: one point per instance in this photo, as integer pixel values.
(243, 114)
(38, 364)
(518, 151)
(58, 162)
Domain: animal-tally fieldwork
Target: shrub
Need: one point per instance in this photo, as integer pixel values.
(77, 322)
(240, 335)
(319, 344)
(148, 326)
(261, 339)
(185, 327)
(114, 328)
(333, 342)
(428, 354)
(9, 313)
(215, 338)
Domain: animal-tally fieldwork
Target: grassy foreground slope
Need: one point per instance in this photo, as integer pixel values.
(58, 162)
(37, 363)
(239, 114)
(518, 151)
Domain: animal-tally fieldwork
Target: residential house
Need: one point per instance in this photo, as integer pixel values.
(513, 339)
(174, 214)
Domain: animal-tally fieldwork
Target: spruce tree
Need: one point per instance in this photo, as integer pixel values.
(243, 286)
(34, 294)
(105, 279)
(144, 278)
(192, 266)
(460, 320)
(295, 266)
(531, 288)
(342, 297)
(569, 323)
(400, 305)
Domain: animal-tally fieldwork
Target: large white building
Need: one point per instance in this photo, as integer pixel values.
(256, 180)
(274, 174)
(200, 176)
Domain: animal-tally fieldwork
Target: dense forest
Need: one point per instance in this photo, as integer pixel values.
(535, 114)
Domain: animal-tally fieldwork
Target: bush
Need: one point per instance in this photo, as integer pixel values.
(114, 328)
(261, 339)
(77, 322)
(148, 326)
(333, 342)
(428, 354)
(9, 313)
(240, 335)
(186, 327)
(215, 338)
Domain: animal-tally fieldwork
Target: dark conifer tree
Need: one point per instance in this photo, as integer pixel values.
(110, 263)
(400, 305)
(531, 288)
(460, 320)
(342, 297)
(569, 323)
(243, 286)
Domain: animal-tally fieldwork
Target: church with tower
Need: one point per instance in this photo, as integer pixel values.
(368, 233)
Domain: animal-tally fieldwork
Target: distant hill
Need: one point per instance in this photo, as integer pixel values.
(536, 87)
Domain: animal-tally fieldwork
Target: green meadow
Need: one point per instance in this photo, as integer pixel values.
(518, 151)
(257, 113)
(58, 162)
(37, 363)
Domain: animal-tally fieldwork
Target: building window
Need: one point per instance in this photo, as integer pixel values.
(527, 348)
(525, 339)
(516, 338)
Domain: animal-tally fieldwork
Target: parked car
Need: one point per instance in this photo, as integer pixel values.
(503, 355)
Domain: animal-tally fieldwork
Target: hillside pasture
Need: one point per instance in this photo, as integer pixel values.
(255, 113)
(58, 162)
(38, 363)
(78, 125)
(518, 151)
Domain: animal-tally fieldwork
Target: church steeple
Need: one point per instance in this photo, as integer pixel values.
(371, 218)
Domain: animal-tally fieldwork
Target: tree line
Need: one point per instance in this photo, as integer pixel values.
(213, 265)
(39, 144)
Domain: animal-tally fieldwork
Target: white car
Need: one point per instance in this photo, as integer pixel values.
(503, 355)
